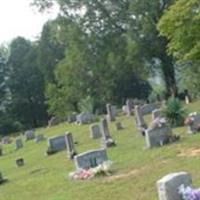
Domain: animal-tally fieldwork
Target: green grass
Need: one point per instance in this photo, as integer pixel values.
(136, 169)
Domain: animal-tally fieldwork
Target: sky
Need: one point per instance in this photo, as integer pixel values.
(18, 18)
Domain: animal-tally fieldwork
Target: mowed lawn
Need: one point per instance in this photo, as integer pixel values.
(135, 169)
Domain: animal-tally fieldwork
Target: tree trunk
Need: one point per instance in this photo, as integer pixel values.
(169, 76)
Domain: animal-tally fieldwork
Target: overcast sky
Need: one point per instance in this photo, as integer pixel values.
(17, 18)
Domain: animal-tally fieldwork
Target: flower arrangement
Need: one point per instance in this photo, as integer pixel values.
(188, 193)
(86, 174)
(190, 119)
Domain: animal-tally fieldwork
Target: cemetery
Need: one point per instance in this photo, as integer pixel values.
(100, 100)
(153, 173)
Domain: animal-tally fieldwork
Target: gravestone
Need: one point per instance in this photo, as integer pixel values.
(18, 143)
(19, 162)
(156, 113)
(129, 107)
(111, 112)
(95, 132)
(194, 125)
(29, 135)
(70, 145)
(6, 140)
(56, 144)
(2, 179)
(53, 121)
(84, 118)
(140, 123)
(71, 118)
(39, 138)
(106, 137)
(158, 136)
(90, 159)
(118, 126)
(168, 186)
(148, 108)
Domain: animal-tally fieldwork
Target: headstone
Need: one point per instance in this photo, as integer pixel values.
(141, 125)
(84, 118)
(148, 108)
(2, 179)
(53, 121)
(5, 140)
(95, 132)
(71, 118)
(39, 138)
(111, 112)
(18, 143)
(106, 137)
(129, 107)
(193, 123)
(70, 145)
(156, 113)
(118, 126)
(158, 136)
(55, 144)
(90, 159)
(19, 162)
(168, 186)
(29, 135)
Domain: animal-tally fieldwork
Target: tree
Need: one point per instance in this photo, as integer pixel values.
(50, 49)
(182, 31)
(26, 84)
(108, 19)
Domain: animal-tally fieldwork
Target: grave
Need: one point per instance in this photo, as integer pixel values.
(84, 118)
(106, 137)
(148, 108)
(19, 162)
(158, 136)
(53, 121)
(111, 112)
(90, 159)
(29, 135)
(193, 123)
(95, 132)
(56, 144)
(140, 123)
(2, 179)
(129, 107)
(168, 186)
(18, 143)
(5, 140)
(71, 152)
(156, 113)
(39, 138)
(71, 118)
(118, 126)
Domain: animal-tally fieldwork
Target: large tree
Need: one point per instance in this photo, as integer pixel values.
(182, 31)
(26, 84)
(107, 19)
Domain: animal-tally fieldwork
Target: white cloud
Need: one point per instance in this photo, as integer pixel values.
(18, 18)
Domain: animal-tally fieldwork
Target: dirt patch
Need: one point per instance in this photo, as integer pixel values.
(191, 152)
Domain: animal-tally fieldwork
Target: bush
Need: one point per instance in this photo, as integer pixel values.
(174, 112)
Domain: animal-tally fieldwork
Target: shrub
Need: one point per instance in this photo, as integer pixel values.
(174, 112)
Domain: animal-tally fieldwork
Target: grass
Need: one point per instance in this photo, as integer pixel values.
(136, 169)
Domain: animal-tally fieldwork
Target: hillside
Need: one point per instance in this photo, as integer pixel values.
(135, 169)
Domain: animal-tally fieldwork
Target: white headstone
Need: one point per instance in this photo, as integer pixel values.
(168, 186)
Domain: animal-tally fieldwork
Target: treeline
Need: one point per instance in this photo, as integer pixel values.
(94, 52)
